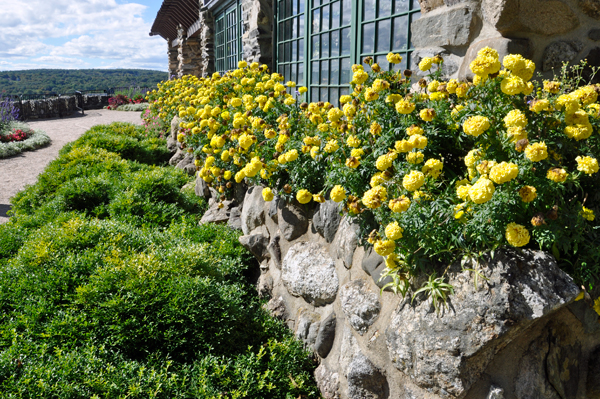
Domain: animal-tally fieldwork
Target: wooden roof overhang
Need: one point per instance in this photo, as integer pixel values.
(171, 14)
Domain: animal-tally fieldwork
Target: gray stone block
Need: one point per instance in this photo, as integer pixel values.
(365, 381)
(560, 51)
(253, 214)
(360, 305)
(444, 27)
(292, 219)
(326, 219)
(325, 336)
(256, 244)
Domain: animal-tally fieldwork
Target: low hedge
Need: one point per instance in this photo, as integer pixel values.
(110, 288)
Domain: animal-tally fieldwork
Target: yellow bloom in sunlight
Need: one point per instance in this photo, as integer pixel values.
(517, 235)
(536, 152)
(338, 193)
(413, 181)
(482, 191)
(267, 194)
(425, 64)
(587, 165)
(393, 231)
(384, 247)
(476, 125)
(304, 196)
(557, 175)
(527, 193)
(400, 204)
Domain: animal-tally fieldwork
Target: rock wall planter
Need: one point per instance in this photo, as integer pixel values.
(518, 334)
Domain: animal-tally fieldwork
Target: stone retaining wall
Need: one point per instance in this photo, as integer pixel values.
(58, 106)
(549, 32)
(519, 333)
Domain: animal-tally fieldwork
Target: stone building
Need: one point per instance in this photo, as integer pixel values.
(315, 42)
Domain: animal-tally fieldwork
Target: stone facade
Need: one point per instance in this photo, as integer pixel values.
(549, 32)
(518, 334)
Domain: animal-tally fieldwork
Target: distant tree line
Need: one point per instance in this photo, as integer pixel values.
(46, 81)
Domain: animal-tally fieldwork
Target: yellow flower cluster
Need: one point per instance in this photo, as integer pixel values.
(504, 172)
(536, 152)
(587, 165)
(482, 191)
(587, 214)
(476, 125)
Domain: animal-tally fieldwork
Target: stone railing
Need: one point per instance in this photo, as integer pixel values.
(518, 333)
(58, 106)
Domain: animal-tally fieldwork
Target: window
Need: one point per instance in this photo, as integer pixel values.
(385, 27)
(228, 38)
(338, 33)
(290, 40)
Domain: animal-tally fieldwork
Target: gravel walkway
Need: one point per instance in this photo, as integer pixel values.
(18, 171)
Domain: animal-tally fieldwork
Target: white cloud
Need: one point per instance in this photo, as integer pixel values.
(102, 30)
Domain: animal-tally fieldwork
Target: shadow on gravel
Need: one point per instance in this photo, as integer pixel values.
(4, 210)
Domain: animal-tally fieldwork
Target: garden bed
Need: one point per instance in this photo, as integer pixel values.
(33, 141)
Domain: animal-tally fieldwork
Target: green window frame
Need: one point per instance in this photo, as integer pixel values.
(228, 37)
(334, 35)
(384, 28)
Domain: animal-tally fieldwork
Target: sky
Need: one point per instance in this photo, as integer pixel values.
(80, 34)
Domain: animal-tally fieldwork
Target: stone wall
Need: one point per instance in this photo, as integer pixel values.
(58, 106)
(518, 334)
(549, 32)
(257, 37)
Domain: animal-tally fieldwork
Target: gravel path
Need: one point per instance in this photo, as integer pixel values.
(18, 171)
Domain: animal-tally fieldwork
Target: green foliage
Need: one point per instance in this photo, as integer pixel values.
(36, 139)
(110, 288)
(40, 81)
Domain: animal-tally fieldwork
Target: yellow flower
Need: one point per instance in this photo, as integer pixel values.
(384, 162)
(371, 95)
(400, 204)
(242, 64)
(472, 157)
(302, 89)
(384, 247)
(512, 85)
(304, 196)
(375, 129)
(427, 114)
(515, 118)
(404, 107)
(587, 164)
(418, 141)
(462, 191)
(374, 197)
(433, 85)
(357, 152)
(291, 84)
(528, 193)
(476, 125)
(587, 213)
(353, 141)
(393, 231)
(536, 152)
(425, 64)
(331, 146)
(359, 77)
(338, 193)
(433, 167)
(579, 131)
(352, 162)
(539, 105)
(552, 86)
(394, 58)
(516, 235)
(557, 175)
(516, 133)
(267, 194)
(462, 90)
(482, 191)
(345, 99)
(413, 181)
(227, 175)
(403, 146)
(414, 129)
(504, 172)
(415, 157)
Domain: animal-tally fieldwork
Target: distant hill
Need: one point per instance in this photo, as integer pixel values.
(42, 81)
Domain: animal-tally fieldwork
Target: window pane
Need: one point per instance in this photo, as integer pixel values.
(280, 53)
(294, 7)
(314, 95)
(294, 28)
(369, 10)
(325, 16)
(281, 10)
(288, 29)
(281, 29)
(383, 62)
(333, 96)
(288, 71)
(316, 3)
(301, 29)
(368, 37)
(315, 72)
(383, 35)
(301, 11)
(401, 6)
(324, 95)
(288, 8)
(288, 52)
(325, 45)
(293, 72)
(324, 72)
(294, 51)
(281, 69)
(316, 20)
(301, 74)
(301, 49)
(345, 71)
(335, 43)
(335, 15)
(315, 46)
(345, 38)
(400, 32)
(385, 8)
(334, 67)
(346, 12)
(344, 91)
(414, 17)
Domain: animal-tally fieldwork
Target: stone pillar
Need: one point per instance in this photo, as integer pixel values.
(173, 63)
(207, 43)
(180, 51)
(257, 39)
(191, 61)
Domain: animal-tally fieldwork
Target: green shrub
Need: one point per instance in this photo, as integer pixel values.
(110, 288)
